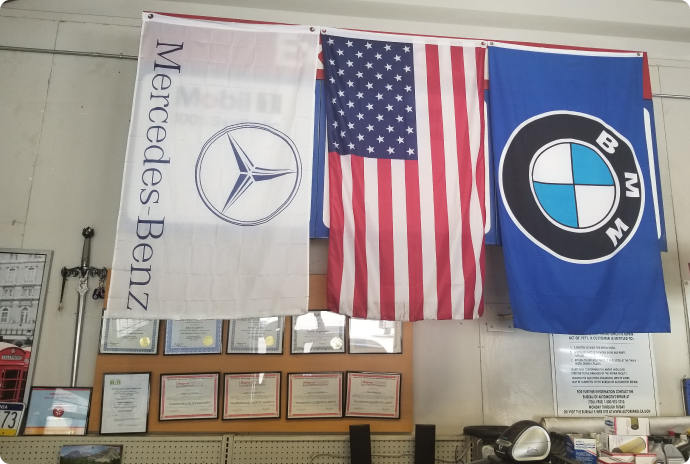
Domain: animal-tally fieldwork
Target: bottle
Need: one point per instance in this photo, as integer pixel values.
(685, 448)
(656, 448)
(673, 456)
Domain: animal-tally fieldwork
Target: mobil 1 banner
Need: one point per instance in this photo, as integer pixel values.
(606, 374)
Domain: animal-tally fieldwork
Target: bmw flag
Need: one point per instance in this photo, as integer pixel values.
(214, 215)
(573, 149)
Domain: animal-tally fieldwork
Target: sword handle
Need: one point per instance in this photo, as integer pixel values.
(88, 232)
(62, 289)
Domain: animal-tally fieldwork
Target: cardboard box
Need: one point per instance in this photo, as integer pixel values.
(619, 457)
(581, 449)
(636, 444)
(608, 460)
(645, 458)
(624, 425)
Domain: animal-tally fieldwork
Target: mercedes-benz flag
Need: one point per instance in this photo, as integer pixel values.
(214, 214)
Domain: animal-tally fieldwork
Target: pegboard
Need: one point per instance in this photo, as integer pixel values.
(233, 449)
(333, 449)
(135, 450)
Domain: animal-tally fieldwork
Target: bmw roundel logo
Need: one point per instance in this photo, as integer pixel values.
(248, 173)
(572, 185)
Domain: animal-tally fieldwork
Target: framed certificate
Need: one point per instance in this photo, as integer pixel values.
(252, 396)
(189, 396)
(58, 411)
(193, 336)
(256, 335)
(372, 394)
(315, 395)
(129, 336)
(318, 332)
(125, 406)
(367, 336)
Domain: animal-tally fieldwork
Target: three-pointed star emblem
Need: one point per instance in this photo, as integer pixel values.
(249, 173)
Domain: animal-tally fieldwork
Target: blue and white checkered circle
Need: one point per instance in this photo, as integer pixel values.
(573, 185)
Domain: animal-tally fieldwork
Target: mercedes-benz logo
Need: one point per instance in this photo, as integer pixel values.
(248, 173)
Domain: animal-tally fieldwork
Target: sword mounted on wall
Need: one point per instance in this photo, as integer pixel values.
(83, 272)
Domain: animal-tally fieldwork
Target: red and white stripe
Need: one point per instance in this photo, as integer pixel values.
(407, 237)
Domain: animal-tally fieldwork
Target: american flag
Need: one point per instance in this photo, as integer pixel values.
(406, 176)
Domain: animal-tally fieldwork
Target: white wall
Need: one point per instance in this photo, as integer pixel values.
(63, 131)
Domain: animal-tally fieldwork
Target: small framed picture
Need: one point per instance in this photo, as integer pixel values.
(318, 332)
(315, 395)
(374, 337)
(24, 276)
(129, 336)
(193, 336)
(252, 396)
(373, 394)
(256, 335)
(82, 454)
(189, 396)
(58, 411)
(125, 405)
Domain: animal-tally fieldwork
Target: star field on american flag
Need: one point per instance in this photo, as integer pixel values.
(370, 98)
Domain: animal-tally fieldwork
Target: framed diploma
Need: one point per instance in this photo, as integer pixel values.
(189, 396)
(371, 394)
(367, 336)
(252, 396)
(125, 406)
(58, 411)
(193, 336)
(318, 332)
(256, 335)
(315, 395)
(129, 336)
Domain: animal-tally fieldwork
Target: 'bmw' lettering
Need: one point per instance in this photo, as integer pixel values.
(572, 185)
(617, 233)
(607, 142)
(631, 180)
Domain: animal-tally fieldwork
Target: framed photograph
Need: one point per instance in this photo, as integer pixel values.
(373, 394)
(252, 396)
(125, 406)
(23, 287)
(317, 395)
(189, 396)
(129, 336)
(256, 335)
(84, 454)
(58, 411)
(193, 336)
(318, 332)
(368, 337)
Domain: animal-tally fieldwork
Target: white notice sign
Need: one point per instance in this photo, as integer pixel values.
(596, 375)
